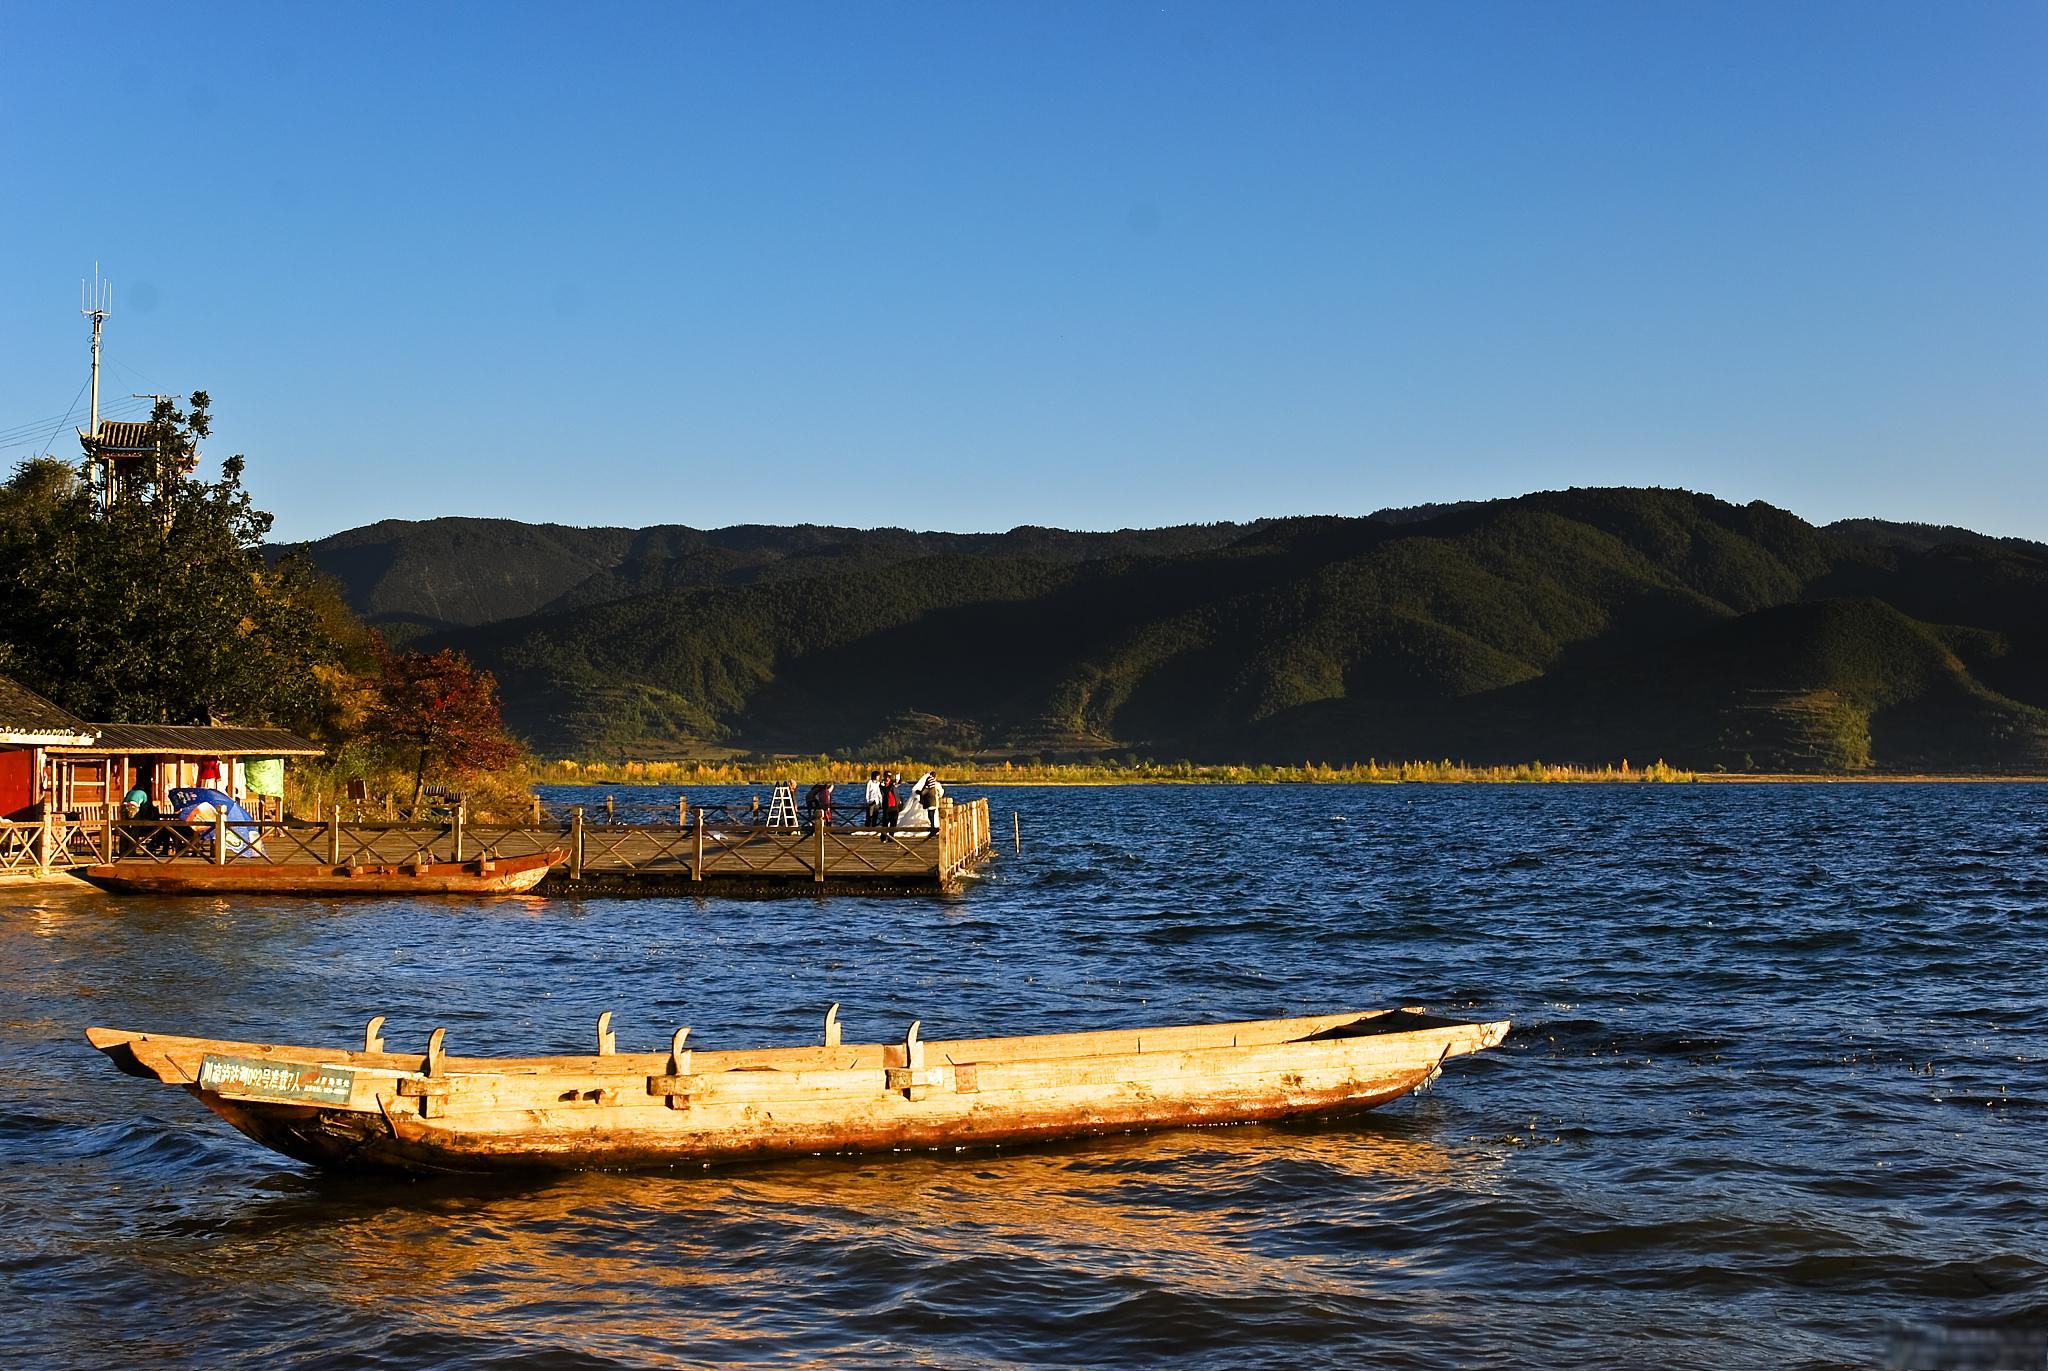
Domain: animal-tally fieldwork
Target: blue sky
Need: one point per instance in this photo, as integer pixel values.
(973, 265)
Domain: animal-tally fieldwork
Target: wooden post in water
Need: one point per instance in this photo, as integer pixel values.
(461, 813)
(536, 811)
(220, 837)
(576, 844)
(818, 860)
(682, 810)
(1016, 833)
(334, 836)
(609, 816)
(697, 864)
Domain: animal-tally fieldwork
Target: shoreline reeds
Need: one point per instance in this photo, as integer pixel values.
(760, 772)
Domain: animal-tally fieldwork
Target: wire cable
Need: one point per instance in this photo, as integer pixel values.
(46, 441)
(122, 408)
(24, 436)
(25, 426)
(131, 373)
(51, 441)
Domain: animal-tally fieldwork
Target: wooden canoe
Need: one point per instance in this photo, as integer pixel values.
(247, 876)
(440, 1113)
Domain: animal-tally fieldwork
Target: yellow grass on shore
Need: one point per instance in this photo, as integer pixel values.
(808, 769)
(568, 772)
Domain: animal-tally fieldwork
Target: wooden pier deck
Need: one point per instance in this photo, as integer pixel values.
(708, 854)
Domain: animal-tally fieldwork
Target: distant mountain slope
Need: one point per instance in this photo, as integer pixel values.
(1919, 537)
(1573, 625)
(407, 577)
(442, 573)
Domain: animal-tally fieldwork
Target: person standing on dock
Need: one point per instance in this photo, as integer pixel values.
(928, 792)
(872, 799)
(819, 802)
(891, 805)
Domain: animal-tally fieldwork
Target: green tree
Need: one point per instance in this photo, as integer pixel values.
(159, 607)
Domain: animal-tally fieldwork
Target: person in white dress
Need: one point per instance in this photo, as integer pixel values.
(926, 794)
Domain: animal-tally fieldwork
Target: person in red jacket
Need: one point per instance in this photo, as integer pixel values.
(892, 805)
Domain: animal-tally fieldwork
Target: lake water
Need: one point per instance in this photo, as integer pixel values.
(1775, 1097)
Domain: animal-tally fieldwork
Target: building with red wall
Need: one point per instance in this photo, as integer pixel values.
(28, 725)
(50, 756)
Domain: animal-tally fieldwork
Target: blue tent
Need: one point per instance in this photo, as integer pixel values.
(203, 804)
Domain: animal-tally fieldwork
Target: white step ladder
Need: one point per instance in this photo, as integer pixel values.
(782, 806)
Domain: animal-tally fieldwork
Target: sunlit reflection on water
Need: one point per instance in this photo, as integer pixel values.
(1772, 1091)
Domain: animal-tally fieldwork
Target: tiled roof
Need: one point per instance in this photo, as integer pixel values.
(27, 719)
(120, 436)
(123, 438)
(192, 740)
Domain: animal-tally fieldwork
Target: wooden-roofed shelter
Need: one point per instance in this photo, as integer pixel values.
(133, 455)
(160, 758)
(29, 724)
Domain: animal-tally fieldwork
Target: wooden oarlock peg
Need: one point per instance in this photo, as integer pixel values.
(832, 1025)
(913, 1078)
(607, 1041)
(432, 1093)
(677, 1082)
(373, 1035)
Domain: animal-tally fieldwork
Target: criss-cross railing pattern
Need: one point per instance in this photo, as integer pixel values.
(712, 844)
(165, 841)
(631, 847)
(21, 849)
(54, 843)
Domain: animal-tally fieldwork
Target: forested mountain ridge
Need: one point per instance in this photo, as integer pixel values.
(1584, 625)
(407, 576)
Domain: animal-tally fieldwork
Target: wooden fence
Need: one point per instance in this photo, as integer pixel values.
(707, 848)
(52, 843)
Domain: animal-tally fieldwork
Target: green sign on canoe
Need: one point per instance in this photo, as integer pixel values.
(253, 1076)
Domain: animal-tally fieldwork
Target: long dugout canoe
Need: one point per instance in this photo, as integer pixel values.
(375, 1109)
(249, 876)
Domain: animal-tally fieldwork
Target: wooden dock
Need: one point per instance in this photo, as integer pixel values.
(709, 854)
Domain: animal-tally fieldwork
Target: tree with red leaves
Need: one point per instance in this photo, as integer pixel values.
(439, 711)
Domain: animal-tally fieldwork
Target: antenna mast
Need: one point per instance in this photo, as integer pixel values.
(93, 302)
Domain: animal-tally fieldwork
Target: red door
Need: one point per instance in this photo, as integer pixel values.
(17, 782)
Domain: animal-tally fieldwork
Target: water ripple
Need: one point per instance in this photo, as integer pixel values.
(1774, 1094)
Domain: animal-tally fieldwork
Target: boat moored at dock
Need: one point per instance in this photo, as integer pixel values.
(482, 876)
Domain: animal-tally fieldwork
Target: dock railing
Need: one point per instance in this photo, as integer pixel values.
(714, 844)
(23, 849)
(37, 847)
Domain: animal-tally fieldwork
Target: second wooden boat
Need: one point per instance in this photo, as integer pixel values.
(440, 1113)
(246, 876)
